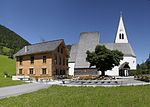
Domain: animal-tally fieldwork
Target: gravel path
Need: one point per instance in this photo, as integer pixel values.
(21, 89)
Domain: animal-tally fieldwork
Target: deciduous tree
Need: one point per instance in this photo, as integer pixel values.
(104, 59)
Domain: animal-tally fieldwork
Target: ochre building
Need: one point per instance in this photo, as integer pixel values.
(42, 61)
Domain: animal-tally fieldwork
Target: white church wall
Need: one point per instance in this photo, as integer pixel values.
(131, 60)
(71, 66)
(115, 70)
(121, 36)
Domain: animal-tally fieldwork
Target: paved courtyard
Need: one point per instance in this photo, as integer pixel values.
(21, 89)
(27, 88)
(118, 82)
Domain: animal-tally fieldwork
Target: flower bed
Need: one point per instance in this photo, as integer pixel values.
(145, 78)
(91, 77)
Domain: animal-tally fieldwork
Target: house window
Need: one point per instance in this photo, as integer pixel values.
(63, 61)
(20, 71)
(62, 50)
(20, 60)
(67, 62)
(31, 71)
(122, 36)
(43, 70)
(58, 49)
(44, 59)
(56, 71)
(32, 59)
(60, 72)
(56, 59)
(59, 60)
(64, 72)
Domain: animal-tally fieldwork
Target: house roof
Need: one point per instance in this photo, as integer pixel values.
(47, 46)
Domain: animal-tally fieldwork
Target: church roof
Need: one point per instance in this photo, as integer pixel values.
(125, 48)
(124, 66)
(39, 47)
(73, 52)
(88, 41)
(121, 35)
(81, 62)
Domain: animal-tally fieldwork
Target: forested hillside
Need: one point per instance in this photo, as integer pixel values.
(10, 42)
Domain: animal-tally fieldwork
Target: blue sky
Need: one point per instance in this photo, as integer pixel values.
(36, 20)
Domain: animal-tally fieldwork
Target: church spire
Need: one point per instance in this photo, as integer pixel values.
(121, 36)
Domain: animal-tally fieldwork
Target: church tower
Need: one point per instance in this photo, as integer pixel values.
(121, 36)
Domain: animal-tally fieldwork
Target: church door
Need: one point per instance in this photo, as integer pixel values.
(121, 72)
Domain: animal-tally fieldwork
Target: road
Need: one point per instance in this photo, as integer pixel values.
(21, 89)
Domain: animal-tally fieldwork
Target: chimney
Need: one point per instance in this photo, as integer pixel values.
(26, 48)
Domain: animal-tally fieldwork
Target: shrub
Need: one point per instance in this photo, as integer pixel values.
(6, 74)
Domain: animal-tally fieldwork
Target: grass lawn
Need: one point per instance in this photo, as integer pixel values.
(9, 82)
(8, 66)
(59, 96)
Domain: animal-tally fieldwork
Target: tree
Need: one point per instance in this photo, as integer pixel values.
(104, 59)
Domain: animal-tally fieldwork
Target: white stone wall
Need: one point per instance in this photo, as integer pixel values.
(115, 71)
(121, 30)
(131, 60)
(71, 68)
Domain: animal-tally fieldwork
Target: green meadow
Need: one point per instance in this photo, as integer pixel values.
(60, 96)
(7, 66)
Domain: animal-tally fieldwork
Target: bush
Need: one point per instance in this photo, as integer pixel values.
(6, 74)
(145, 78)
(134, 72)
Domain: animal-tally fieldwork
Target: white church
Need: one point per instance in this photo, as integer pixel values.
(89, 40)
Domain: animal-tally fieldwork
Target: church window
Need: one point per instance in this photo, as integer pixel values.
(120, 36)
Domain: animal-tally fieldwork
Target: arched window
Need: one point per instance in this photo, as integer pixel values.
(122, 36)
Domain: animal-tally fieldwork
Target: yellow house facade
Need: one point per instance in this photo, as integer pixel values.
(42, 61)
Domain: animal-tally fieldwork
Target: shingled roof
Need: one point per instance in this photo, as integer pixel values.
(89, 41)
(125, 48)
(39, 47)
(73, 52)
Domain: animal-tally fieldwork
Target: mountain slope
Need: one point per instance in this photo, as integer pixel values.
(11, 40)
(148, 60)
